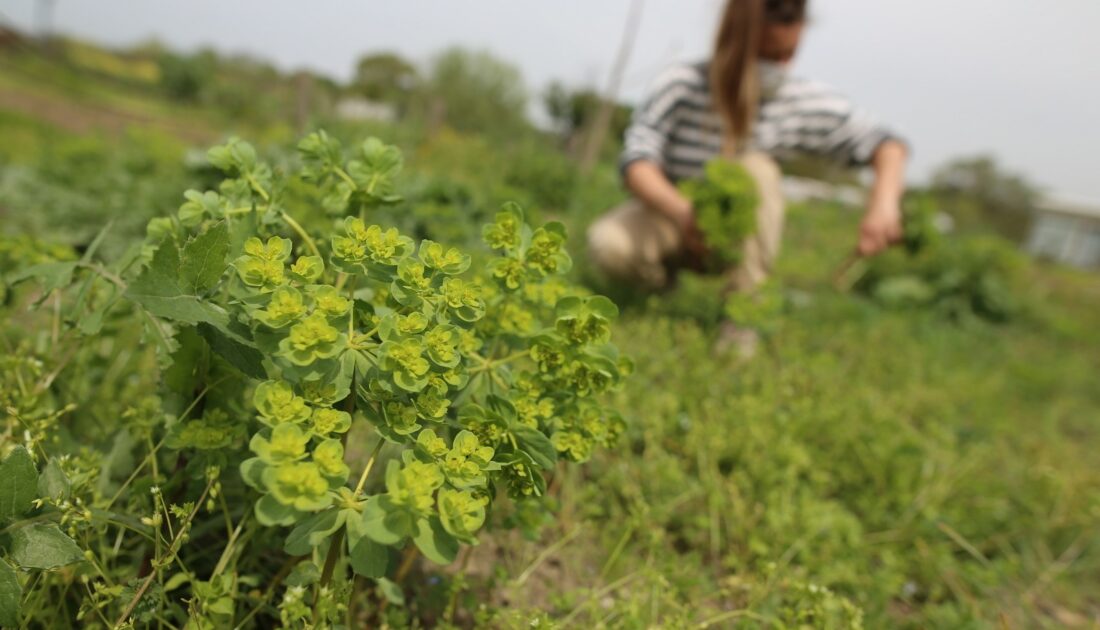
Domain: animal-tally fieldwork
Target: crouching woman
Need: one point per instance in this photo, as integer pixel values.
(743, 105)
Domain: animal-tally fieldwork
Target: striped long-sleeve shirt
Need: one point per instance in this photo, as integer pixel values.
(677, 128)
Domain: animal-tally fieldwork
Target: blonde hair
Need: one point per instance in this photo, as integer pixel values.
(735, 90)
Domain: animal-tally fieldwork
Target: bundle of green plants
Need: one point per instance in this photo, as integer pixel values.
(725, 201)
(262, 362)
(959, 276)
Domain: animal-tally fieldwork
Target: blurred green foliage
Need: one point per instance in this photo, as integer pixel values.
(879, 465)
(475, 92)
(725, 201)
(979, 192)
(959, 276)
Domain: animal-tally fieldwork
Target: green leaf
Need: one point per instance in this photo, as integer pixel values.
(603, 307)
(353, 519)
(188, 367)
(270, 512)
(313, 531)
(91, 322)
(320, 153)
(434, 542)
(202, 262)
(93, 247)
(43, 546)
(384, 522)
(177, 580)
(369, 559)
(240, 355)
(159, 290)
(52, 483)
(536, 444)
(10, 595)
(221, 606)
(304, 574)
(391, 591)
(252, 470)
(18, 484)
(53, 275)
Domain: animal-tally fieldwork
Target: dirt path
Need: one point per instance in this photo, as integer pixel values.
(85, 117)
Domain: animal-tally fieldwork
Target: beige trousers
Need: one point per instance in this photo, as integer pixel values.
(634, 242)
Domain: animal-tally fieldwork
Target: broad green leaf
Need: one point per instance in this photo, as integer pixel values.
(270, 512)
(43, 546)
(18, 484)
(53, 275)
(369, 559)
(202, 262)
(10, 595)
(189, 365)
(304, 574)
(353, 519)
(240, 355)
(602, 306)
(320, 153)
(52, 483)
(177, 580)
(385, 523)
(434, 542)
(391, 591)
(536, 444)
(159, 290)
(221, 606)
(252, 471)
(200, 205)
(313, 531)
(91, 322)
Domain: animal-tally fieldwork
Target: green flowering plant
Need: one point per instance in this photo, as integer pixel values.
(478, 377)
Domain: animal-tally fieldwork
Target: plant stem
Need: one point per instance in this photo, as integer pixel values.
(227, 553)
(367, 468)
(153, 452)
(275, 582)
(172, 549)
(546, 553)
(327, 571)
(103, 273)
(488, 364)
(459, 584)
(258, 188)
(411, 553)
(330, 559)
(342, 174)
(297, 227)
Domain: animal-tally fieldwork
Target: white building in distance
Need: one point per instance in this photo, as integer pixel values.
(1066, 230)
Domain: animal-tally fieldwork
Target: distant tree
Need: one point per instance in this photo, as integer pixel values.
(557, 103)
(385, 77)
(574, 111)
(978, 185)
(186, 77)
(475, 92)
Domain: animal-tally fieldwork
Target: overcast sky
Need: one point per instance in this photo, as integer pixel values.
(1016, 78)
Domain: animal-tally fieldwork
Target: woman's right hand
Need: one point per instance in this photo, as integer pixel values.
(684, 217)
(650, 184)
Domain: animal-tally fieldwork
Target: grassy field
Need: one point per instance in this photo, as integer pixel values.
(933, 475)
(870, 467)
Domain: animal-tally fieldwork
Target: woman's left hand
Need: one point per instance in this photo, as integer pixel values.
(880, 228)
